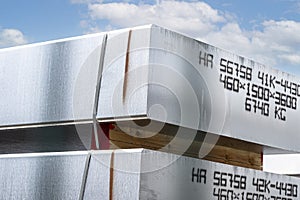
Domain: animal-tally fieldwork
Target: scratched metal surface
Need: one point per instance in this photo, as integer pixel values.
(188, 83)
(167, 176)
(65, 175)
(114, 175)
(49, 82)
(150, 72)
(135, 174)
(124, 91)
(41, 176)
(217, 91)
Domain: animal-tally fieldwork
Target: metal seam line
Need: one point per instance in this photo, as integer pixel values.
(100, 69)
(85, 175)
(111, 175)
(45, 124)
(126, 65)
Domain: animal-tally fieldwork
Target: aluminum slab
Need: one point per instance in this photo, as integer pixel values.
(41, 176)
(174, 79)
(52, 82)
(151, 73)
(189, 178)
(136, 174)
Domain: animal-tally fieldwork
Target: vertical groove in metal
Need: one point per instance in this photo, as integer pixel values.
(101, 65)
(85, 175)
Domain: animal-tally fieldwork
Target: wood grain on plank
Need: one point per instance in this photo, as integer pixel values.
(225, 150)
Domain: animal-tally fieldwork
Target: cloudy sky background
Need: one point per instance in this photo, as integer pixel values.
(267, 31)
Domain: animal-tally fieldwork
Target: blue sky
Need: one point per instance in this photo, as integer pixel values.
(264, 30)
(41, 20)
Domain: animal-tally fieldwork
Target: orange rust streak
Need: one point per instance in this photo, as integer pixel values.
(111, 176)
(126, 65)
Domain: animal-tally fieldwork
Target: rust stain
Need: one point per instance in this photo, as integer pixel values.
(126, 66)
(111, 176)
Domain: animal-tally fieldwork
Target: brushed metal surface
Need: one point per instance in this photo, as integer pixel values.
(124, 81)
(98, 176)
(114, 175)
(195, 96)
(135, 174)
(49, 82)
(175, 79)
(154, 73)
(41, 176)
(189, 178)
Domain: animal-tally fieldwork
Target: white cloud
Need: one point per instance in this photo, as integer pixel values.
(291, 58)
(85, 1)
(245, 43)
(11, 37)
(280, 39)
(187, 17)
(281, 33)
(276, 43)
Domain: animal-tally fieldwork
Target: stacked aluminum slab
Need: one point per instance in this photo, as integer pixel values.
(144, 73)
(43, 83)
(135, 174)
(170, 78)
(151, 73)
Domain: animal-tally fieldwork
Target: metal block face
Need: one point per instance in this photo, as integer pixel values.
(41, 176)
(124, 80)
(127, 171)
(188, 178)
(174, 79)
(135, 174)
(114, 175)
(98, 177)
(188, 94)
(49, 82)
(202, 87)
